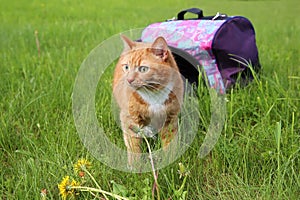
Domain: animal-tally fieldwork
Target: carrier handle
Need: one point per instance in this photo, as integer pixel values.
(197, 11)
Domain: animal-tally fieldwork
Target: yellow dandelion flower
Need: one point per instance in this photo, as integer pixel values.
(81, 165)
(66, 187)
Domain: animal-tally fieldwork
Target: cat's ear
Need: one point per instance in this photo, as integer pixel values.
(128, 43)
(160, 48)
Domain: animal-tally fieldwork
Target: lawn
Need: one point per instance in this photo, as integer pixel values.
(42, 46)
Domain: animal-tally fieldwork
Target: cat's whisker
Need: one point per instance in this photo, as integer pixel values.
(163, 85)
(152, 84)
(150, 87)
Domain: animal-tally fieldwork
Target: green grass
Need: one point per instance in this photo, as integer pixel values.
(256, 157)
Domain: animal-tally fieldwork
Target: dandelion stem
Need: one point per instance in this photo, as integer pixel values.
(90, 189)
(96, 183)
(139, 131)
(156, 186)
(182, 185)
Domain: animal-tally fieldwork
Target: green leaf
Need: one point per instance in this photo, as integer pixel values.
(119, 189)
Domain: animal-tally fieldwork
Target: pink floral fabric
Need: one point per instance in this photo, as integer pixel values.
(196, 38)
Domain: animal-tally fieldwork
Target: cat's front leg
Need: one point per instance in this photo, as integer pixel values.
(131, 139)
(133, 145)
(169, 141)
(168, 133)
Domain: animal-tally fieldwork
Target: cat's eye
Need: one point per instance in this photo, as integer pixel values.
(126, 68)
(143, 69)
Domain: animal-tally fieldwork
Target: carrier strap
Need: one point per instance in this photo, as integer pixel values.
(197, 11)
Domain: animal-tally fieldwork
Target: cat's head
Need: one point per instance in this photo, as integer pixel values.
(146, 65)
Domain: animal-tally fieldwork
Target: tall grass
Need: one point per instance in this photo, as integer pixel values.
(256, 157)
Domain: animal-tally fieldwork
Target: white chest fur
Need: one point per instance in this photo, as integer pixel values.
(156, 99)
(156, 102)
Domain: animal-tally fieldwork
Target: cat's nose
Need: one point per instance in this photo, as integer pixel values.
(130, 80)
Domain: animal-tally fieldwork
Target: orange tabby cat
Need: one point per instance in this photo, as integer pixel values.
(148, 88)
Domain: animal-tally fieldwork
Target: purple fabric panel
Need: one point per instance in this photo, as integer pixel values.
(236, 37)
